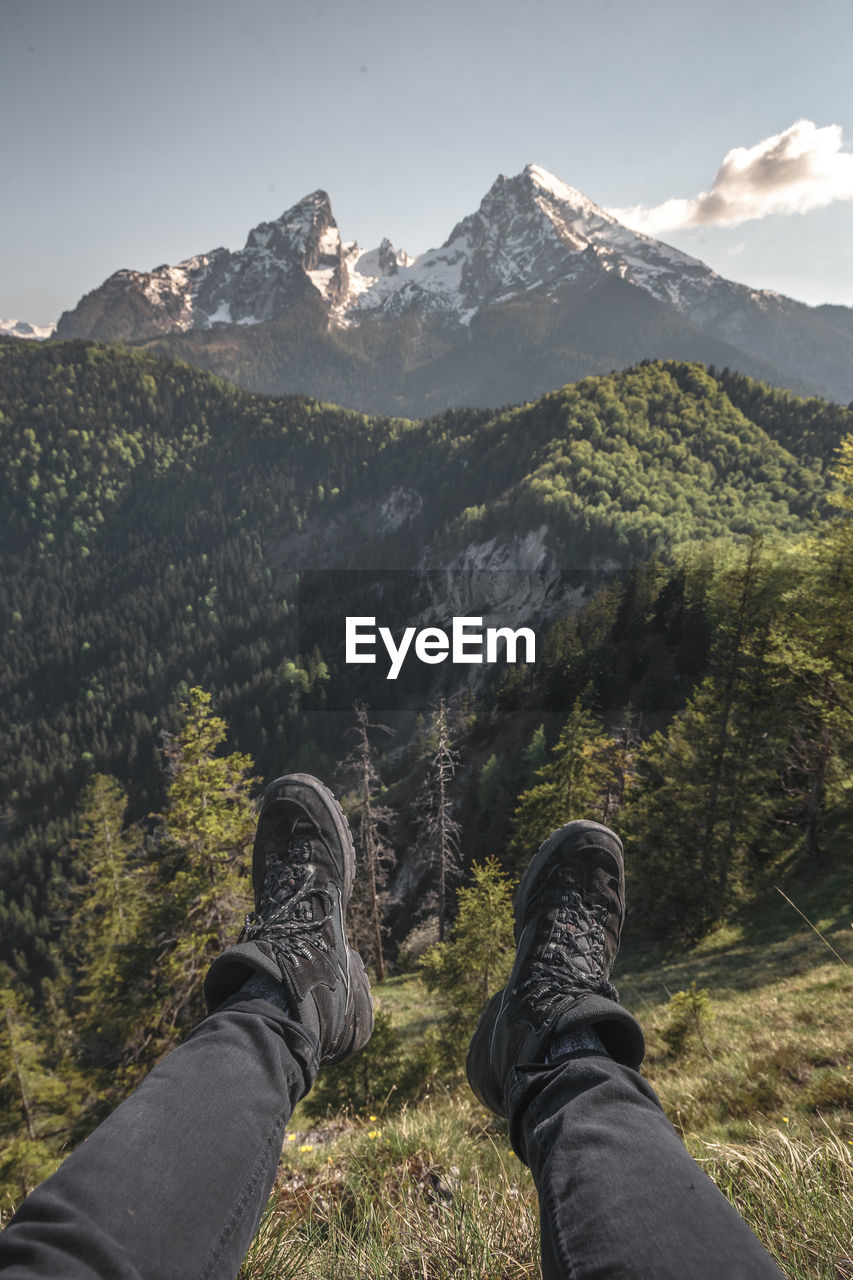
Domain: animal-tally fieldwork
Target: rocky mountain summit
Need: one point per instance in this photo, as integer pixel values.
(531, 232)
(538, 287)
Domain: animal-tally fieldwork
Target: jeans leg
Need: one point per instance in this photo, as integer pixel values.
(619, 1195)
(174, 1182)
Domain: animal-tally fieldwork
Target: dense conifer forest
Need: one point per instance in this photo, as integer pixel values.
(176, 557)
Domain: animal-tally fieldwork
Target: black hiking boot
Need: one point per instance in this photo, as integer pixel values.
(302, 872)
(569, 911)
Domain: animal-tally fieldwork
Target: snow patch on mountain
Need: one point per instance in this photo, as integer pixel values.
(431, 281)
(23, 329)
(222, 315)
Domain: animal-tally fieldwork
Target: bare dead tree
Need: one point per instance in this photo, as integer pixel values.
(374, 851)
(619, 760)
(439, 829)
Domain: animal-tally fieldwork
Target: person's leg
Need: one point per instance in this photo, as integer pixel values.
(174, 1182)
(619, 1195)
(557, 1054)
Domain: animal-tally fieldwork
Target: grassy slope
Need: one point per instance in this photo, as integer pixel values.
(764, 1100)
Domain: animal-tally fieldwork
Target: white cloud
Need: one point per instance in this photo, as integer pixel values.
(804, 168)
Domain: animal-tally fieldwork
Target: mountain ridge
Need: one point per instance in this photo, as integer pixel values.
(301, 309)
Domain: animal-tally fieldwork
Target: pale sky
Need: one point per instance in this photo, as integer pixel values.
(138, 132)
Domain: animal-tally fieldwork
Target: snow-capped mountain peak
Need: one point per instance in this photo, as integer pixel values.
(299, 231)
(553, 186)
(531, 232)
(533, 240)
(23, 329)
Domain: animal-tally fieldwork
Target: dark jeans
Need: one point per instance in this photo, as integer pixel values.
(173, 1184)
(619, 1196)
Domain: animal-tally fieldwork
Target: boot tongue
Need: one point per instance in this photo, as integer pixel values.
(299, 851)
(303, 829)
(299, 843)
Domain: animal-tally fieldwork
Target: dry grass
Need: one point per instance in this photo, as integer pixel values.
(435, 1193)
(797, 1195)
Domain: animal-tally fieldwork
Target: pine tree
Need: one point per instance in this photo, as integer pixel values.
(97, 1000)
(812, 648)
(36, 1103)
(206, 836)
(105, 925)
(617, 762)
(466, 970)
(535, 753)
(706, 789)
(742, 691)
(576, 781)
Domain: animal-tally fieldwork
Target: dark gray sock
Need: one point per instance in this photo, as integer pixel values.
(579, 1040)
(262, 987)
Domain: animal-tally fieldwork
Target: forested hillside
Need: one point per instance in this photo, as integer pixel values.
(177, 560)
(154, 519)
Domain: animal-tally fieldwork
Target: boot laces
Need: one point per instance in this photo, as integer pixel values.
(289, 923)
(572, 960)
